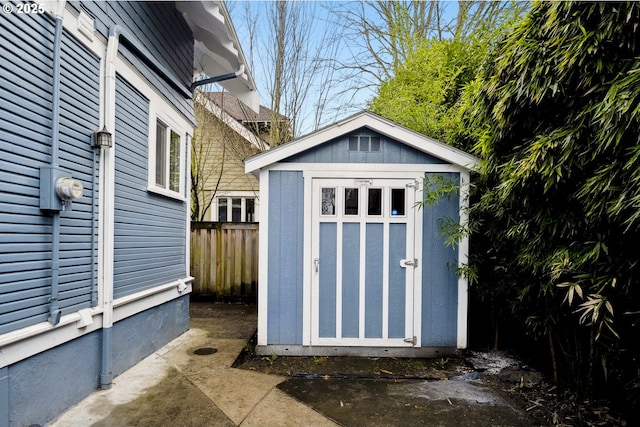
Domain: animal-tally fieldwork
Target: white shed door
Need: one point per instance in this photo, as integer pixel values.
(365, 263)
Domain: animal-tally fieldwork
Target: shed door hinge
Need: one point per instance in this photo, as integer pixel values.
(413, 184)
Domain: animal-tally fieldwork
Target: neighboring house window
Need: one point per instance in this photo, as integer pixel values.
(167, 162)
(236, 209)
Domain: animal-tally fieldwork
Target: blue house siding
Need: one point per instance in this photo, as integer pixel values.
(439, 281)
(285, 241)
(149, 235)
(56, 384)
(52, 359)
(25, 145)
(337, 151)
(136, 337)
(79, 118)
(150, 21)
(56, 379)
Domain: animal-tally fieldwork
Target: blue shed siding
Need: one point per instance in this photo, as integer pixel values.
(285, 242)
(150, 21)
(337, 151)
(25, 145)
(439, 281)
(327, 282)
(150, 230)
(350, 280)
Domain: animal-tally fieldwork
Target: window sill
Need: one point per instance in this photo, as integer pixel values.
(167, 193)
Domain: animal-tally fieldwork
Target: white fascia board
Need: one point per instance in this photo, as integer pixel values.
(374, 122)
(217, 50)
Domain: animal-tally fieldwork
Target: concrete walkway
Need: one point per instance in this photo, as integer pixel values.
(175, 386)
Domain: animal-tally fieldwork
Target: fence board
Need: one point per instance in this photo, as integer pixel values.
(224, 260)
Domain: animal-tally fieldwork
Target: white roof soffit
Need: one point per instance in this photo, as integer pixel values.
(217, 50)
(372, 121)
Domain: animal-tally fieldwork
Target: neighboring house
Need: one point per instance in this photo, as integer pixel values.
(349, 265)
(94, 226)
(228, 132)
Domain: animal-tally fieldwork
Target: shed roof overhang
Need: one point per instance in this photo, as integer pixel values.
(217, 50)
(374, 122)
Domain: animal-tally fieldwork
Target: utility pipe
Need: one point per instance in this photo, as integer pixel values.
(216, 79)
(54, 307)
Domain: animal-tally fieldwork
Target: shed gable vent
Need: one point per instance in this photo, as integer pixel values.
(364, 143)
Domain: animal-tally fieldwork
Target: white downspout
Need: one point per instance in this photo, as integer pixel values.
(107, 200)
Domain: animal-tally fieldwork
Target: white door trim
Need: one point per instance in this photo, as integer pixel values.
(413, 290)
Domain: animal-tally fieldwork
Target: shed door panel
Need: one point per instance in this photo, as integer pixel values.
(364, 268)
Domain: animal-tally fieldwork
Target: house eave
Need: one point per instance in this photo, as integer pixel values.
(217, 50)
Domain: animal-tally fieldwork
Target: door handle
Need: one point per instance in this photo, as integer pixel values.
(409, 262)
(316, 263)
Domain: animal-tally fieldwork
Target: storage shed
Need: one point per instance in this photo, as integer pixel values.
(350, 263)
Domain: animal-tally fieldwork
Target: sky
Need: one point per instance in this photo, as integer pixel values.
(339, 87)
(324, 13)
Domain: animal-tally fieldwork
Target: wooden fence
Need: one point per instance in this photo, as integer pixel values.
(224, 260)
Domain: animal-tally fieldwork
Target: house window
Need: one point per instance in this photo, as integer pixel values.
(222, 209)
(236, 209)
(364, 143)
(250, 210)
(168, 165)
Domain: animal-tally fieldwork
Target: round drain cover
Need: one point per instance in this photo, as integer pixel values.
(205, 351)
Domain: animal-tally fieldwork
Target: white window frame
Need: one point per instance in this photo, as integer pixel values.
(158, 114)
(243, 206)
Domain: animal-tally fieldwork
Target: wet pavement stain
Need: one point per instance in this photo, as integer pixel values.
(378, 403)
(174, 401)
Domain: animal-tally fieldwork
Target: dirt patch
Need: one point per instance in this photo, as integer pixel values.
(350, 367)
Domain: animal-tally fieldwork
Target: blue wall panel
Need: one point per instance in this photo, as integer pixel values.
(285, 242)
(136, 337)
(59, 378)
(397, 280)
(327, 280)
(439, 281)
(25, 145)
(4, 397)
(350, 280)
(373, 279)
(337, 151)
(56, 379)
(150, 231)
